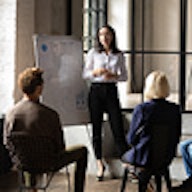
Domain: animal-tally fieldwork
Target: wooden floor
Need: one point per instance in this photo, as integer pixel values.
(8, 183)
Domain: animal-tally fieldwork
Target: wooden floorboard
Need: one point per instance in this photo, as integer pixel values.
(8, 183)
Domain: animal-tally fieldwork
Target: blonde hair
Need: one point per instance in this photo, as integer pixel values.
(156, 86)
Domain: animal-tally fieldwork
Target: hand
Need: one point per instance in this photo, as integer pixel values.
(99, 72)
(109, 75)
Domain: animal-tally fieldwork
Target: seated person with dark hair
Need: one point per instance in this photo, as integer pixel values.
(32, 117)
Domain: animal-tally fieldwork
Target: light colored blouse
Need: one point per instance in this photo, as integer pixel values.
(113, 62)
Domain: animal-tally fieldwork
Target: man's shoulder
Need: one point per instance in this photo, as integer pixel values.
(15, 108)
(47, 109)
(30, 108)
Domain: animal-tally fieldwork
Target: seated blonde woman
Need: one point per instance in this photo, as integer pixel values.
(155, 110)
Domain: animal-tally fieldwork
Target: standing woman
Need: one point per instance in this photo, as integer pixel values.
(104, 68)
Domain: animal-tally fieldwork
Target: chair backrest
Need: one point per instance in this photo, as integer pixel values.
(36, 154)
(162, 146)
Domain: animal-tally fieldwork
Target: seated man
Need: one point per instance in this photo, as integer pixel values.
(186, 152)
(32, 117)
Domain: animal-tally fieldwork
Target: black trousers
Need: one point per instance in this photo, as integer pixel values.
(103, 97)
(78, 155)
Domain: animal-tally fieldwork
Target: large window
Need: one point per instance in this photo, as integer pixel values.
(94, 17)
(159, 37)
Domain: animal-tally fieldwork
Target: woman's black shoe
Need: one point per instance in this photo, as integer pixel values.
(100, 177)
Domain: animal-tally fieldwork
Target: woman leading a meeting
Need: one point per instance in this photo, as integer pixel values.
(104, 67)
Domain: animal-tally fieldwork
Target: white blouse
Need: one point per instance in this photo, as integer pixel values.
(113, 62)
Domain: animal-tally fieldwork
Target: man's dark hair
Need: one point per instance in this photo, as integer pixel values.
(29, 79)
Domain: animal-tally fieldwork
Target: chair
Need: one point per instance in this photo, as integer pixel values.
(35, 161)
(161, 152)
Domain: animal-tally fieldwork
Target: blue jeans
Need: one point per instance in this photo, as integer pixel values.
(186, 151)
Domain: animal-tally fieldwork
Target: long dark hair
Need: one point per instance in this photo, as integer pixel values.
(99, 47)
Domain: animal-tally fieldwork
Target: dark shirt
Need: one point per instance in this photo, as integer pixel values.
(35, 119)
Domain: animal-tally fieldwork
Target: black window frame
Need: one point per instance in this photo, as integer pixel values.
(182, 53)
(97, 11)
